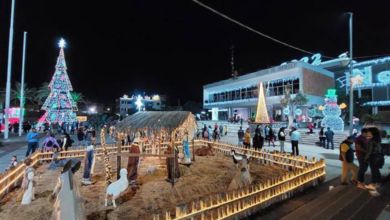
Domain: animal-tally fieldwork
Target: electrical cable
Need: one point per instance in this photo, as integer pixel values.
(255, 31)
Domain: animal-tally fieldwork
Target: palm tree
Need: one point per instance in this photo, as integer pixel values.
(42, 93)
(78, 97)
(29, 93)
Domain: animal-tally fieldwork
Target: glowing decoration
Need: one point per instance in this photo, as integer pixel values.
(343, 105)
(372, 62)
(59, 104)
(139, 103)
(62, 43)
(156, 98)
(332, 112)
(125, 96)
(384, 77)
(298, 111)
(377, 103)
(357, 80)
(262, 113)
(286, 111)
(320, 107)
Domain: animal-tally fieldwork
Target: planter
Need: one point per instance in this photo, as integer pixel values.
(373, 124)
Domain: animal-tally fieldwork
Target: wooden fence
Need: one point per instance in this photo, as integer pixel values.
(236, 204)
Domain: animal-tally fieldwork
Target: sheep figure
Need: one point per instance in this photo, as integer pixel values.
(151, 169)
(115, 188)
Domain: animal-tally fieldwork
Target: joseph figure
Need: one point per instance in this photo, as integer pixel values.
(172, 163)
(133, 164)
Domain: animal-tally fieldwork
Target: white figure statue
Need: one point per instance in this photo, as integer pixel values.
(115, 188)
(69, 204)
(28, 183)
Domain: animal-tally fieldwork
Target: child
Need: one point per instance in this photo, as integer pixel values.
(14, 162)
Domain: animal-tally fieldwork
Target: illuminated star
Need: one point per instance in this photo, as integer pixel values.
(358, 79)
(139, 103)
(62, 43)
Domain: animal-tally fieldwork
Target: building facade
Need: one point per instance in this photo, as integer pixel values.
(128, 105)
(239, 96)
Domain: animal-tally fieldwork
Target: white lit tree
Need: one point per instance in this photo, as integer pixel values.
(290, 104)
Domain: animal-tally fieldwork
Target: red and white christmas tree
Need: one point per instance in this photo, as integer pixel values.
(59, 105)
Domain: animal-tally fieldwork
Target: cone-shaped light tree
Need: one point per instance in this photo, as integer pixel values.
(262, 113)
(59, 105)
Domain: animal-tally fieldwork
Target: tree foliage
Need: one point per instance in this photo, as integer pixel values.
(193, 107)
(291, 103)
(29, 93)
(42, 93)
(78, 97)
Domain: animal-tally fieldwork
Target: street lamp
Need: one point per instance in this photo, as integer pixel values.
(350, 75)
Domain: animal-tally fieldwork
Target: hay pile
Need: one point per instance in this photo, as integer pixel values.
(152, 194)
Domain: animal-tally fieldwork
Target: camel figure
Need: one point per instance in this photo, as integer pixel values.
(205, 151)
(242, 179)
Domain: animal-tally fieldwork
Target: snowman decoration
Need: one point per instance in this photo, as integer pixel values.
(332, 112)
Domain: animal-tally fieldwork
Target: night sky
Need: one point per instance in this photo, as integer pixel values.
(176, 46)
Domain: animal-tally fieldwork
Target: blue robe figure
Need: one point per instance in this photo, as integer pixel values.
(186, 149)
(88, 161)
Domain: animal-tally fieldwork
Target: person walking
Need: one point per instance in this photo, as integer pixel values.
(295, 137)
(240, 137)
(361, 150)
(346, 156)
(87, 138)
(33, 140)
(282, 138)
(225, 130)
(329, 138)
(374, 157)
(271, 138)
(322, 137)
(247, 139)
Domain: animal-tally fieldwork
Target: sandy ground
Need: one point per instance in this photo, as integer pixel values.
(152, 194)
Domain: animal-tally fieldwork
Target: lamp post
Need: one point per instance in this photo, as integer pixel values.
(350, 76)
(22, 86)
(8, 85)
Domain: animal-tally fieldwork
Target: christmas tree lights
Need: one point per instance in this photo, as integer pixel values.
(332, 112)
(106, 156)
(59, 105)
(262, 113)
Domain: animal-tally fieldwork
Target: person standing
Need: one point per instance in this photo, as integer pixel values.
(258, 141)
(329, 138)
(295, 137)
(66, 141)
(240, 137)
(33, 139)
(247, 139)
(374, 157)
(322, 137)
(271, 138)
(210, 132)
(225, 130)
(215, 134)
(282, 138)
(220, 130)
(346, 156)
(80, 135)
(266, 132)
(361, 150)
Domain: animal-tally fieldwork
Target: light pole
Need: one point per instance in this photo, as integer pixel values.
(8, 86)
(22, 86)
(350, 76)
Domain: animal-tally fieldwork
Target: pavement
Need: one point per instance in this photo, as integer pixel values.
(333, 164)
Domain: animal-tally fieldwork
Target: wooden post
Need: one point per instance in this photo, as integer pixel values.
(193, 149)
(118, 157)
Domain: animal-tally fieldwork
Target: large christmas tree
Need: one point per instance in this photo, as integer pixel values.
(59, 105)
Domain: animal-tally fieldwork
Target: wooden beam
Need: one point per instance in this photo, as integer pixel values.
(145, 155)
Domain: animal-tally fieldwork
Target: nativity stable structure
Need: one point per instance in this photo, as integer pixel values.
(162, 130)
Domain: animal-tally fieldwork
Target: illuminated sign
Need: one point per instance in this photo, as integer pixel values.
(384, 77)
(316, 59)
(14, 112)
(82, 118)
